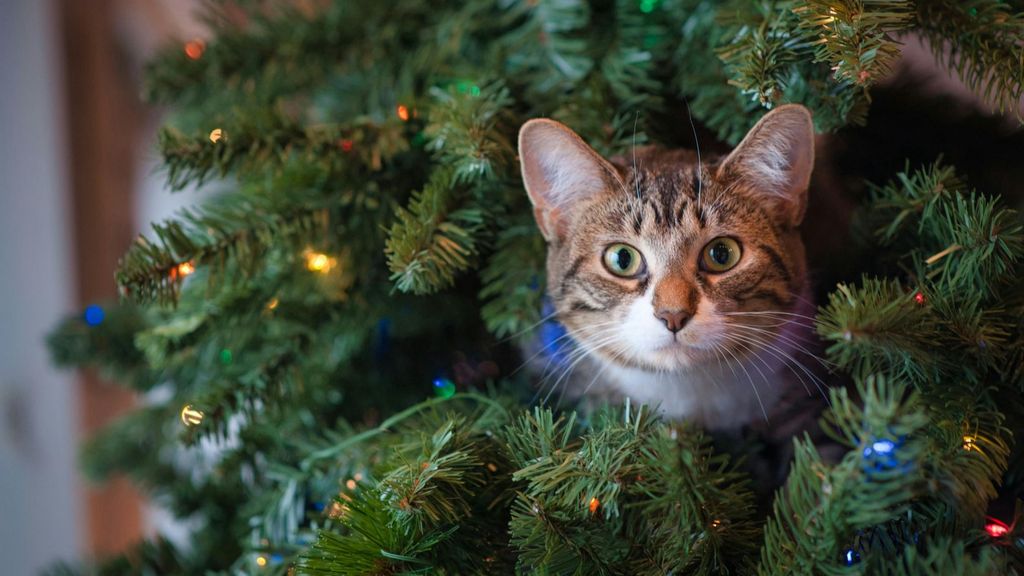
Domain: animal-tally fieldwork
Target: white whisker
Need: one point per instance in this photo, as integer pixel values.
(636, 182)
(546, 347)
(786, 359)
(749, 379)
(510, 337)
(779, 355)
(578, 356)
(785, 338)
(696, 144)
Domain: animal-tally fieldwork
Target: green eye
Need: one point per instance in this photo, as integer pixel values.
(623, 260)
(720, 254)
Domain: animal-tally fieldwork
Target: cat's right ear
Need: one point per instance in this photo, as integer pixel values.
(560, 171)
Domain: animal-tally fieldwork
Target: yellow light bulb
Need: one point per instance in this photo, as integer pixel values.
(319, 262)
(216, 134)
(261, 561)
(184, 269)
(191, 416)
(969, 443)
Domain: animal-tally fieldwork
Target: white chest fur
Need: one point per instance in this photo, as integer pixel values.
(724, 396)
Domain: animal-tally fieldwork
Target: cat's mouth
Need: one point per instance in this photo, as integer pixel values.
(673, 353)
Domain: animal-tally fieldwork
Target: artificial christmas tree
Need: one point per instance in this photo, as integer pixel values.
(376, 248)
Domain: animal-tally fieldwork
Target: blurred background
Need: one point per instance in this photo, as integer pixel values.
(79, 177)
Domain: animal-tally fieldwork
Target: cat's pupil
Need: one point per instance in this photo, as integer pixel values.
(623, 259)
(720, 253)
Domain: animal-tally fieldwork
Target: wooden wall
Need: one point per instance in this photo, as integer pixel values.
(104, 116)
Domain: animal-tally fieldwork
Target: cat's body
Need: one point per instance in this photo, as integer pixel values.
(681, 281)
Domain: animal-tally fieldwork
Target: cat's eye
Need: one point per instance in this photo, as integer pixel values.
(720, 254)
(623, 260)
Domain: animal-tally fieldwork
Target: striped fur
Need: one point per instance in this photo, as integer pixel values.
(736, 356)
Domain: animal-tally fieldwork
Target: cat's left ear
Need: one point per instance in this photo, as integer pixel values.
(774, 161)
(561, 173)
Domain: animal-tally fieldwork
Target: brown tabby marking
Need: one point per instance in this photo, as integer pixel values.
(662, 203)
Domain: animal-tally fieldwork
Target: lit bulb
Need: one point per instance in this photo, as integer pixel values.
(319, 262)
(969, 443)
(216, 134)
(184, 269)
(337, 510)
(594, 505)
(996, 529)
(94, 315)
(261, 561)
(273, 303)
(191, 416)
(350, 484)
(403, 112)
(194, 49)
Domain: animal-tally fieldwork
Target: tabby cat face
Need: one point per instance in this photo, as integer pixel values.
(668, 264)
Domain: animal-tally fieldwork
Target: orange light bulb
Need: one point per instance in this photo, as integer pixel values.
(194, 49)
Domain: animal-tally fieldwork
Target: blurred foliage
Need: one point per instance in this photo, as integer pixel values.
(374, 244)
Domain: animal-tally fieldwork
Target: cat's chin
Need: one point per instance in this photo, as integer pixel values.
(670, 357)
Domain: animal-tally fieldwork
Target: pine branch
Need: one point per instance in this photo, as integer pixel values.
(715, 533)
(983, 244)
(911, 198)
(820, 509)
(982, 41)
(513, 282)
(943, 556)
(435, 486)
(550, 44)
(434, 238)
(431, 490)
(551, 540)
(770, 57)
(628, 474)
(235, 229)
(108, 346)
(701, 77)
(278, 48)
(855, 36)
(371, 547)
(261, 140)
(468, 132)
(879, 327)
(767, 44)
(635, 53)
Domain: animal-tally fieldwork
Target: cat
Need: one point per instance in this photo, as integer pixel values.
(681, 281)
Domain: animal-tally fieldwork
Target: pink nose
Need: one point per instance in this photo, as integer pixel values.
(674, 319)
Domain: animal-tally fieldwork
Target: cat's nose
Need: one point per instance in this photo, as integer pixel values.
(674, 319)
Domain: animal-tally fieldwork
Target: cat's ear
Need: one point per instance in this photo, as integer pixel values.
(774, 161)
(560, 171)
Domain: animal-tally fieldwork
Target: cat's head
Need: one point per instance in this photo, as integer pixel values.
(660, 263)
